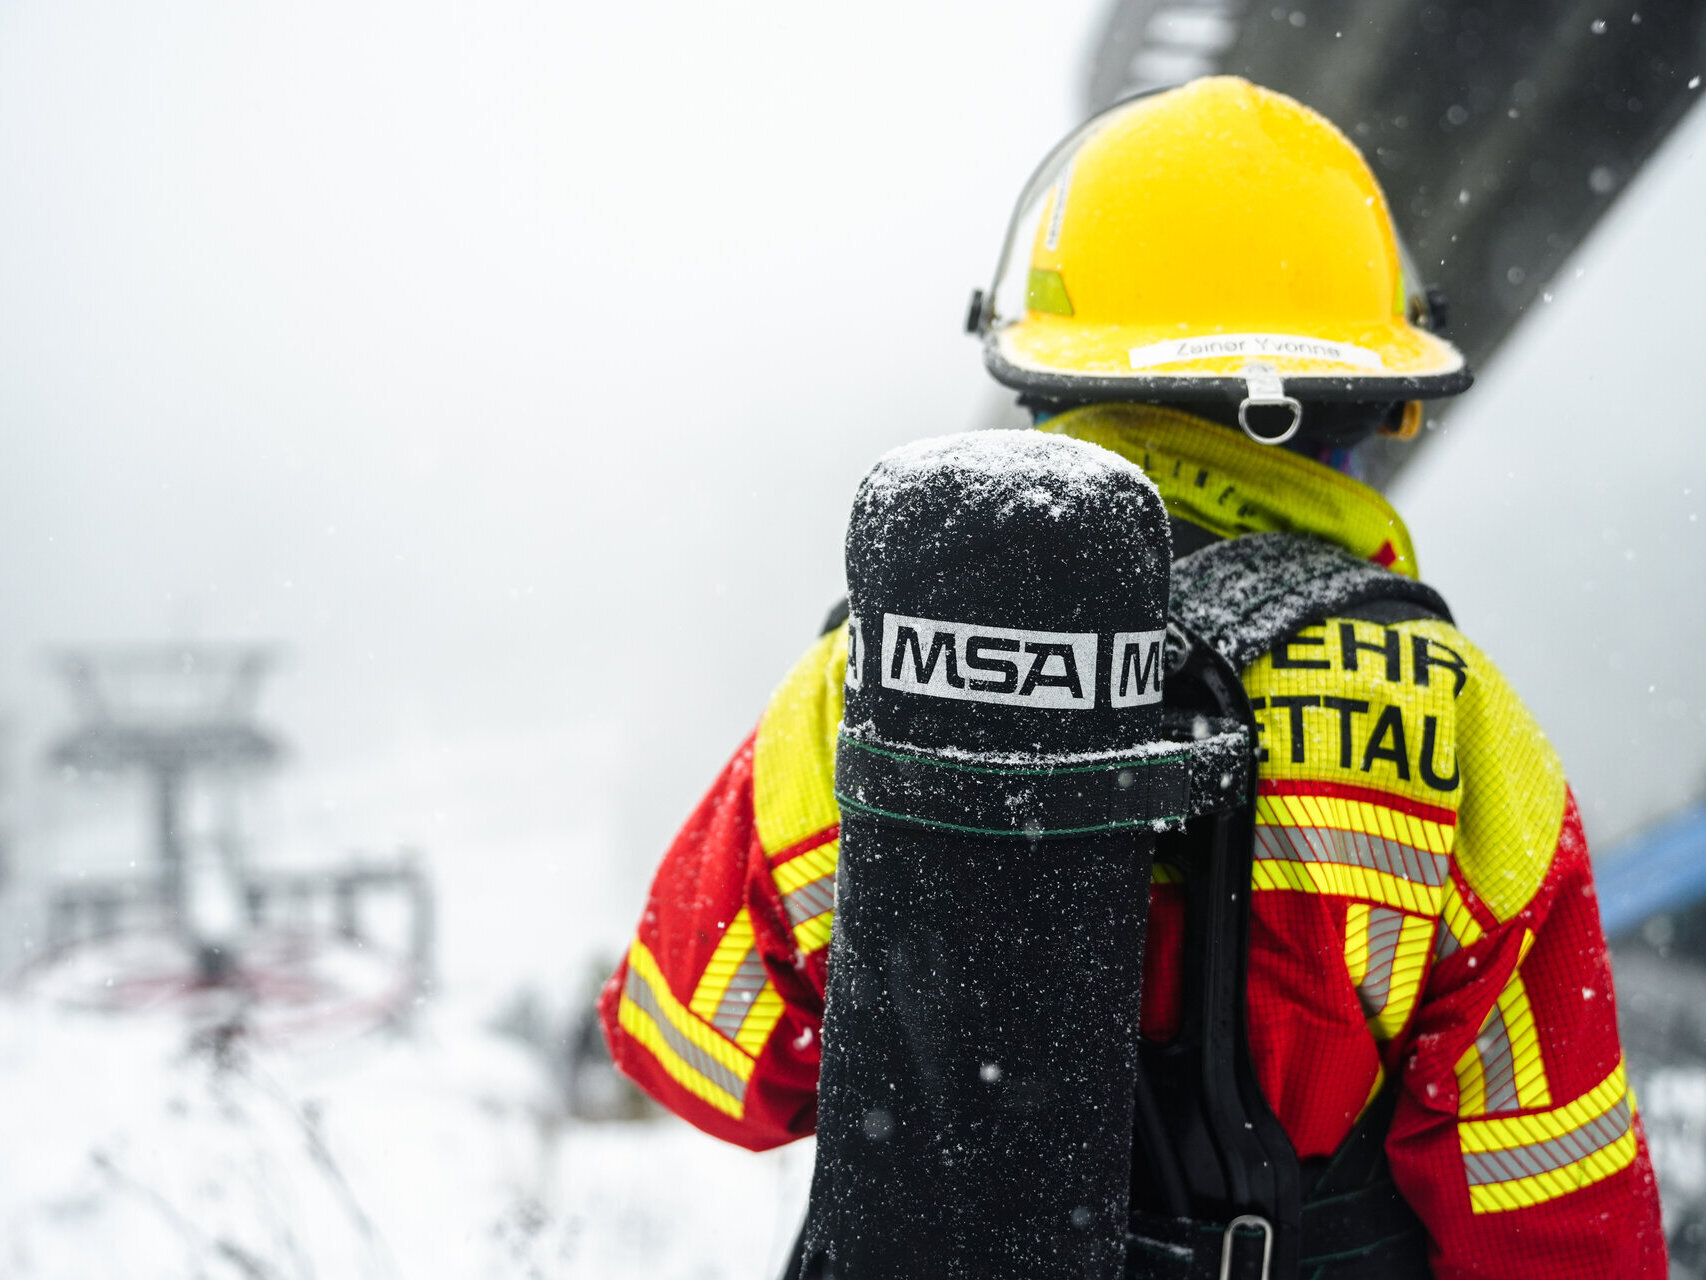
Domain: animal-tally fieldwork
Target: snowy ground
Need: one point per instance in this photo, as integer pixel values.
(149, 1146)
(1672, 1101)
(138, 1148)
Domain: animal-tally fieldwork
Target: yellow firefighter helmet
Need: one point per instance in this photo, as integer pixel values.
(1214, 241)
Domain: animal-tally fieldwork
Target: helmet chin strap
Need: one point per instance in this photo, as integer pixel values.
(1263, 389)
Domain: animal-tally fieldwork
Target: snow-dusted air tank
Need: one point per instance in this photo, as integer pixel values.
(1000, 781)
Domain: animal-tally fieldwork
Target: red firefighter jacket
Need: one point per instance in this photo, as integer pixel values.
(1423, 906)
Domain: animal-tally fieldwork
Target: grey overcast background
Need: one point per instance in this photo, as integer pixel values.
(512, 365)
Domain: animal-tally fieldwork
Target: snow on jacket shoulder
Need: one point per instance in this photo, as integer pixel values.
(1423, 907)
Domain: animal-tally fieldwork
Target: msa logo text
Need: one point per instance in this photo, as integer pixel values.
(1053, 669)
(989, 664)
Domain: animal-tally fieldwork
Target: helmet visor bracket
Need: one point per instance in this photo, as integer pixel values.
(1005, 299)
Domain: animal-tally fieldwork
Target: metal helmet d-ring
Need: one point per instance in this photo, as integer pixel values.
(1264, 389)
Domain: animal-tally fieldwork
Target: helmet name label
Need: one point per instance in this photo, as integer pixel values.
(1254, 346)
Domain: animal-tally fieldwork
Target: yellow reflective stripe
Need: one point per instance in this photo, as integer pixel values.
(811, 865)
(1471, 1083)
(736, 949)
(1504, 1069)
(1166, 873)
(760, 1021)
(725, 960)
(810, 935)
(703, 1037)
(1356, 942)
(1409, 967)
(1341, 814)
(639, 1024)
(1523, 1193)
(1386, 956)
(795, 879)
(1455, 913)
(1373, 1089)
(1346, 882)
(1530, 1071)
(1503, 1132)
(1513, 1162)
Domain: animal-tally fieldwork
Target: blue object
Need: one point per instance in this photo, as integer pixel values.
(1662, 869)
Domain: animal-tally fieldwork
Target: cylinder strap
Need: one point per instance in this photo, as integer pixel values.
(1201, 767)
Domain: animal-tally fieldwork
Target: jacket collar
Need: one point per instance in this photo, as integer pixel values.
(1213, 477)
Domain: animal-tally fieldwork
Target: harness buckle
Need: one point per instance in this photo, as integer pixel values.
(1246, 1220)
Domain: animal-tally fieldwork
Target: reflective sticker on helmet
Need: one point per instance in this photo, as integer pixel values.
(1051, 240)
(1047, 292)
(1272, 346)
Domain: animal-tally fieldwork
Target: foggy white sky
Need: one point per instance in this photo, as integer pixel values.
(1561, 513)
(513, 364)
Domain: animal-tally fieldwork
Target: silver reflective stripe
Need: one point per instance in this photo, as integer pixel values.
(743, 989)
(811, 899)
(1353, 849)
(1498, 1064)
(639, 991)
(1554, 1153)
(1384, 928)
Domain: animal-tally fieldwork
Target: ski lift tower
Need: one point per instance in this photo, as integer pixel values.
(170, 712)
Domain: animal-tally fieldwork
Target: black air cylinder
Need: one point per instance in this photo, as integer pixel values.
(1000, 784)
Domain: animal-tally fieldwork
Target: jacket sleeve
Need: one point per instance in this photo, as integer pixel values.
(1516, 1138)
(716, 1009)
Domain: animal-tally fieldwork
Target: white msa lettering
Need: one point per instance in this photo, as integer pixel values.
(1055, 669)
(1137, 668)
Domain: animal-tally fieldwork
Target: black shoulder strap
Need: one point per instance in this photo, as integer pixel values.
(1231, 602)
(1245, 594)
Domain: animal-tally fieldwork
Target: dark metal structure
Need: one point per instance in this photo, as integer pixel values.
(292, 899)
(169, 712)
(185, 715)
(304, 902)
(1501, 132)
